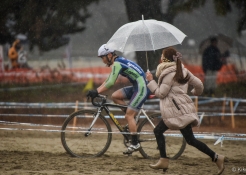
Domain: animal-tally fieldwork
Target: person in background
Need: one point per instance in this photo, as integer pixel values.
(22, 59)
(136, 94)
(211, 64)
(177, 108)
(13, 54)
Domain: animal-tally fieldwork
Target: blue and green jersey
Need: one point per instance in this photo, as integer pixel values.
(128, 69)
(138, 93)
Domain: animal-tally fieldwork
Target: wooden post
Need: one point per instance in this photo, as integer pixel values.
(223, 108)
(75, 118)
(232, 115)
(76, 106)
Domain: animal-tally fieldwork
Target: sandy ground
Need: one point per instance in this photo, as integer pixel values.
(41, 153)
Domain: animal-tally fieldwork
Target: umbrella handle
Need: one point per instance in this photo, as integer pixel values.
(147, 62)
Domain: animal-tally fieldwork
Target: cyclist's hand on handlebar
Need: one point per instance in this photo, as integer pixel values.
(92, 93)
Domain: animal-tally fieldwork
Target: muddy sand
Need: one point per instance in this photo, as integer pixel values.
(41, 153)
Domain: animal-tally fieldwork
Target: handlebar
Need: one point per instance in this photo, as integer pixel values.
(99, 100)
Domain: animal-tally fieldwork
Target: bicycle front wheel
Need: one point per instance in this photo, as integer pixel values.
(78, 141)
(175, 143)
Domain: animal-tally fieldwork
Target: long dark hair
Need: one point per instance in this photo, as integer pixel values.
(169, 53)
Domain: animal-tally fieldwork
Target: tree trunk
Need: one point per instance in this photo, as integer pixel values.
(150, 10)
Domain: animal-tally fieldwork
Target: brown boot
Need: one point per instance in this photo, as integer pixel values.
(161, 164)
(219, 160)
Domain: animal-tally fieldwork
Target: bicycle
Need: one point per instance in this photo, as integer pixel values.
(88, 133)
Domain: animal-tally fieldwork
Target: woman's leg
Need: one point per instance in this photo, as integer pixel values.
(191, 140)
(160, 139)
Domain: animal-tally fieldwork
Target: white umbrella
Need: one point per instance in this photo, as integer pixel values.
(145, 35)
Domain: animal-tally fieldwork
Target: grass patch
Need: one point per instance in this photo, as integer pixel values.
(73, 91)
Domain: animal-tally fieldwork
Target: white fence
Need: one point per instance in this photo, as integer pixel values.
(218, 107)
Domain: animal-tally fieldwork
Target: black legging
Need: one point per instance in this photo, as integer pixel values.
(188, 135)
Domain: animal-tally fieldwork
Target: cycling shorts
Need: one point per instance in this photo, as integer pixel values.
(137, 96)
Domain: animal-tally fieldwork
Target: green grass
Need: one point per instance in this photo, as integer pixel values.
(73, 92)
(43, 93)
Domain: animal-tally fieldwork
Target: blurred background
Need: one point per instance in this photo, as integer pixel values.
(61, 38)
(72, 32)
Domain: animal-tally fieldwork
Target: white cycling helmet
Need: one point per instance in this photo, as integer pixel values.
(104, 50)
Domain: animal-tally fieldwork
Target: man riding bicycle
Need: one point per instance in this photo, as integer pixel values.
(136, 94)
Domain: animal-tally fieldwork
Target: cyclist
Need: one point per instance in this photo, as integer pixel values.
(136, 94)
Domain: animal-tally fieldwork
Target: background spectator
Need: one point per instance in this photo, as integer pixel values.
(18, 56)
(211, 64)
(13, 54)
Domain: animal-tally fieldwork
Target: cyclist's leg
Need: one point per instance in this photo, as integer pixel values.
(138, 93)
(130, 114)
(120, 95)
(191, 140)
(139, 96)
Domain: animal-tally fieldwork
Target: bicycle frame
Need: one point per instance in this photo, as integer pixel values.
(104, 106)
(95, 119)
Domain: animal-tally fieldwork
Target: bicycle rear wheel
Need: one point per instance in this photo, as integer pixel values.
(175, 143)
(76, 139)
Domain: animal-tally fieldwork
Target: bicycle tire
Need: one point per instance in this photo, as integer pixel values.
(175, 146)
(73, 137)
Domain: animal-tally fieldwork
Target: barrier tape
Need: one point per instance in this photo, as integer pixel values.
(117, 116)
(41, 104)
(32, 115)
(27, 124)
(225, 136)
(173, 131)
(57, 107)
(139, 133)
(49, 115)
(148, 106)
(204, 100)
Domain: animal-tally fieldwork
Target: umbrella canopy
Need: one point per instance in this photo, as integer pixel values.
(224, 43)
(145, 35)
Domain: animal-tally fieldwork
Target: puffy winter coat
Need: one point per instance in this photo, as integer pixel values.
(177, 108)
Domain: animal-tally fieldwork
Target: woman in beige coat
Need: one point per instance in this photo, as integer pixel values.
(177, 108)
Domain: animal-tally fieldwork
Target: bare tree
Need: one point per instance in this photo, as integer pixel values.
(45, 23)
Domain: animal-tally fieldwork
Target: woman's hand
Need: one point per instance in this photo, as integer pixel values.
(149, 76)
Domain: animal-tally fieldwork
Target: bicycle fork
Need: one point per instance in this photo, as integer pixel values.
(93, 122)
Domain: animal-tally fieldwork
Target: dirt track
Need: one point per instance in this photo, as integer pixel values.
(41, 153)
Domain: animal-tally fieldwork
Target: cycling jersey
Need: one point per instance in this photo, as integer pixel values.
(136, 76)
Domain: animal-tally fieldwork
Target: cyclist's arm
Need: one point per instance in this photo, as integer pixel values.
(111, 79)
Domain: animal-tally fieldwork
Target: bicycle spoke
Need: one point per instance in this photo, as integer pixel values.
(80, 140)
(149, 149)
